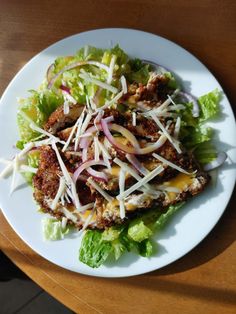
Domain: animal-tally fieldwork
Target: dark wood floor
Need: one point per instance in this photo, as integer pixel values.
(19, 294)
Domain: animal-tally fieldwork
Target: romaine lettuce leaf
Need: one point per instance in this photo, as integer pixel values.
(52, 229)
(138, 232)
(209, 105)
(115, 241)
(37, 107)
(94, 251)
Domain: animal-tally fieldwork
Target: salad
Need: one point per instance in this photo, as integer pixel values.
(112, 147)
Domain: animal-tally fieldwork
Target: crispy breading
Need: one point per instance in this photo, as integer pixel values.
(58, 120)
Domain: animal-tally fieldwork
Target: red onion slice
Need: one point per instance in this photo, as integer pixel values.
(114, 142)
(65, 88)
(98, 175)
(137, 164)
(220, 159)
(85, 165)
(86, 140)
(193, 100)
(157, 66)
(49, 73)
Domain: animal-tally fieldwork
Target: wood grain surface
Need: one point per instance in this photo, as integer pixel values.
(202, 281)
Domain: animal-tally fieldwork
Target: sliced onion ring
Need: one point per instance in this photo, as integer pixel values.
(220, 159)
(106, 129)
(137, 164)
(49, 73)
(85, 165)
(98, 175)
(65, 88)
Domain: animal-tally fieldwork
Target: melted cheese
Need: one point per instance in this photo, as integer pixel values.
(84, 216)
(181, 182)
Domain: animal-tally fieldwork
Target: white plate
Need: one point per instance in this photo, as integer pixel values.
(190, 225)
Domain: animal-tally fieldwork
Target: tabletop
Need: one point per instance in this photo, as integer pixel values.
(204, 279)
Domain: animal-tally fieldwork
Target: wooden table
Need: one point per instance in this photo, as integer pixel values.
(202, 281)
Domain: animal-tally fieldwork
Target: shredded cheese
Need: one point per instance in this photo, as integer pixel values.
(69, 98)
(96, 148)
(15, 169)
(112, 101)
(177, 127)
(169, 163)
(34, 127)
(131, 171)
(8, 169)
(25, 168)
(111, 69)
(60, 191)
(64, 223)
(124, 84)
(100, 190)
(141, 182)
(71, 134)
(122, 189)
(160, 125)
(78, 132)
(66, 107)
(67, 176)
(69, 215)
(87, 221)
(97, 82)
(134, 118)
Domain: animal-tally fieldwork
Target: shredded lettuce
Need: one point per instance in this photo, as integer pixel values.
(52, 229)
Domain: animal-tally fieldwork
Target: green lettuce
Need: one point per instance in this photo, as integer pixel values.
(138, 232)
(94, 251)
(37, 108)
(209, 105)
(32, 161)
(194, 133)
(135, 236)
(52, 229)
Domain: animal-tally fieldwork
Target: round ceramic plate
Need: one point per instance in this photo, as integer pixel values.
(190, 225)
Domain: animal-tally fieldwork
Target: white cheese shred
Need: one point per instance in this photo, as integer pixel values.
(111, 69)
(122, 189)
(96, 148)
(124, 84)
(71, 135)
(8, 169)
(69, 214)
(141, 182)
(64, 223)
(15, 169)
(25, 168)
(87, 221)
(97, 82)
(169, 163)
(134, 118)
(100, 190)
(112, 101)
(67, 176)
(60, 191)
(172, 141)
(177, 127)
